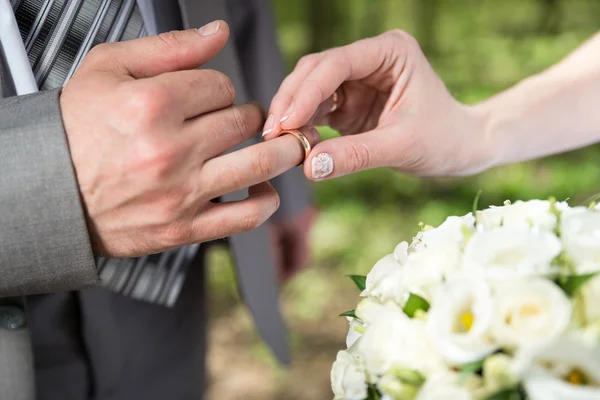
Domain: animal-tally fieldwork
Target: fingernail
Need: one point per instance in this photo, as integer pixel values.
(287, 113)
(268, 125)
(210, 28)
(322, 166)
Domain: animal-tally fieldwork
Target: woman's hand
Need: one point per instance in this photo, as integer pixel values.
(394, 112)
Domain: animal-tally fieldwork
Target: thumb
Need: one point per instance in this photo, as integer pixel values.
(348, 154)
(167, 52)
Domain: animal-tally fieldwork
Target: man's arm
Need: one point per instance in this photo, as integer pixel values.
(44, 243)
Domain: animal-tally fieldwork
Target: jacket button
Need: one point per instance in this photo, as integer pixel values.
(11, 317)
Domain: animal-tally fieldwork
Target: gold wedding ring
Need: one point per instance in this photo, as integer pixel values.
(303, 141)
(336, 98)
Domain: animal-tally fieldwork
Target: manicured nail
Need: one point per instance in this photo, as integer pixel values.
(210, 28)
(322, 166)
(287, 113)
(268, 125)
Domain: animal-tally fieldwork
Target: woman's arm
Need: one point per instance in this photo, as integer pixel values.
(552, 112)
(397, 113)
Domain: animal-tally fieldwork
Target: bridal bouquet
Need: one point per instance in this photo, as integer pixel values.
(502, 303)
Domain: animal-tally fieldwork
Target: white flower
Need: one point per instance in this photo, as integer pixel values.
(580, 232)
(450, 232)
(444, 387)
(384, 281)
(354, 332)
(567, 368)
(591, 299)
(427, 268)
(520, 214)
(528, 311)
(348, 379)
(435, 255)
(393, 339)
(459, 320)
(369, 310)
(497, 373)
(401, 253)
(504, 252)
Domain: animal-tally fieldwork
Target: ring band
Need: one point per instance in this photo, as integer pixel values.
(303, 140)
(336, 98)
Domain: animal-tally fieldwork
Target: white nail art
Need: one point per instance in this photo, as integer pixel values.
(265, 133)
(284, 118)
(322, 165)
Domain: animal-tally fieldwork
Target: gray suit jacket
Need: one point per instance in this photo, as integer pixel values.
(44, 244)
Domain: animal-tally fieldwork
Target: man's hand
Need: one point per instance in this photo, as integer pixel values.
(147, 132)
(291, 242)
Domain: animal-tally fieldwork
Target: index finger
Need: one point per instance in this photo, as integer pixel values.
(254, 164)
(372, 59)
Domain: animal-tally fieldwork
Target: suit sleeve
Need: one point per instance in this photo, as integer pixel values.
(44, 243)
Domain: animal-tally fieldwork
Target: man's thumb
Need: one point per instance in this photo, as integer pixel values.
(170, 51)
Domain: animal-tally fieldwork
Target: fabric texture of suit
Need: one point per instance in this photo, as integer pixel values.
(93, 334)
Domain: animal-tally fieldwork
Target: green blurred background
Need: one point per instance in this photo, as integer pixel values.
(478, 47)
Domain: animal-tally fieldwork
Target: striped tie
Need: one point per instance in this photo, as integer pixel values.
(57, 35)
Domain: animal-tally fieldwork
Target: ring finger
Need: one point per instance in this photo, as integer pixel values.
(255, 164)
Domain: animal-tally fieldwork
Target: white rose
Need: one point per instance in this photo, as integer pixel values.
(451, 231)
(393, 339)
(354, 332)
(528, 311)
(384, 281)
(348, 379)
(459, 320)
(504, 252)
(435, 255)
(369, 310)
(427, 268)
(591, 298)
(521, 214)
(444, 387)
(580, 232)
(567, 368)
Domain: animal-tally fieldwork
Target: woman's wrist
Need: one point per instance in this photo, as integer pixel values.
(485, 149)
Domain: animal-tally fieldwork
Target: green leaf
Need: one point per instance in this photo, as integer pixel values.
(414, 304)
(476, 202)
(470, 368)
(572, 283)
(507, 394)
(359, 280)
(351, 314)
(373, 393)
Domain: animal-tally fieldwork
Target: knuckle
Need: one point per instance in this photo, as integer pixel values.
(263, 165)
(100, 54)
(276, 202)
(240, 122)
(146, 103)
(403, 37)
(171, 205)
(357, 156)
(170, 39)
(177, 233)
(252, 219)
(157, 159)
(309, 60)
(316, 90)
(224, 85)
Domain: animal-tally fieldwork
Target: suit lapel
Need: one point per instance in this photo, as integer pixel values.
(252, 251)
